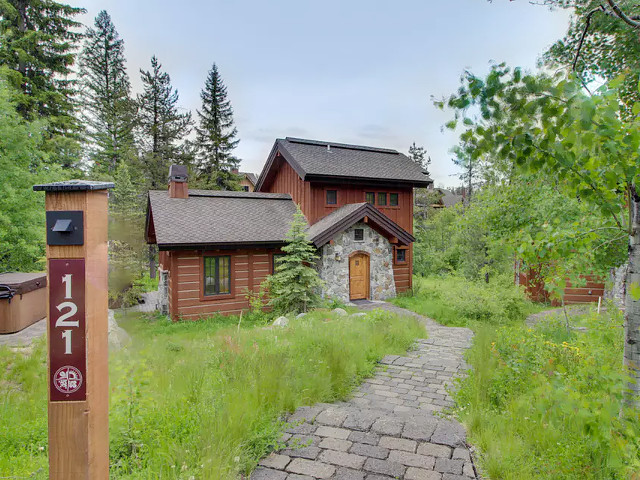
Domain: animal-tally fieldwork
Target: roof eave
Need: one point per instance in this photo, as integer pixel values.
(221, 245)
(365, 211)
(278, 146)
(314, 177)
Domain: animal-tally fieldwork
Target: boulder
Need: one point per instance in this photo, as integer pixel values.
(358, 314)
(118, 337)
(339, 311)
(300, 315)
(281, 322)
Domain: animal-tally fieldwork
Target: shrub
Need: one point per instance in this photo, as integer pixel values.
(457, 301)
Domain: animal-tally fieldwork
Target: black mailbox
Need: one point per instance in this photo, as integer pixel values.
(65, 228)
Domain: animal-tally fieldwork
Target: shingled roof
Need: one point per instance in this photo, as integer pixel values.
(316, 160)
(338, 221)
(218, 218)
(252, 177)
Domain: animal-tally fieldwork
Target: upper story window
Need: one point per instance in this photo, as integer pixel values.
(245, 188)
(401, 255)
(382, 199)
(393, 199)
(332, 197)
(370, 197)
(358, 234)
(217, 275)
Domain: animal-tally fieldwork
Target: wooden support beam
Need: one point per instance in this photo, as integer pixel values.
(77, 333)
(393, 240)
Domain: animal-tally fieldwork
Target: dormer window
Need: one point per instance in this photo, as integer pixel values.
(332, 197)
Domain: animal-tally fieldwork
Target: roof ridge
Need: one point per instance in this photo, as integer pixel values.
(346, 146)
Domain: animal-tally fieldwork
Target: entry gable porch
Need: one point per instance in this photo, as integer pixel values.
(327, 228)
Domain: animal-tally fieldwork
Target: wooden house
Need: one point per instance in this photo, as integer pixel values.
(358, 201)
(248, 181)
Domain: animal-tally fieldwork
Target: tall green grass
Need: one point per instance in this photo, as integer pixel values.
(205, 399)
(542, 403)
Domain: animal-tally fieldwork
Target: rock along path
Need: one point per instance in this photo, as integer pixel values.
(388, 429)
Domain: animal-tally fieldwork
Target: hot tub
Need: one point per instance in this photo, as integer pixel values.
(23, 300)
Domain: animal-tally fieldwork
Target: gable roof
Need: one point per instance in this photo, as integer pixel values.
(338, 221)
(252, 177)
(316, 160)
(210, 218)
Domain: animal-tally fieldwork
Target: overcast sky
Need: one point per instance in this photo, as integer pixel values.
(352, 71)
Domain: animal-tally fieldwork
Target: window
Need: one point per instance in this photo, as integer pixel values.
(401, 255)
(382, 199)
(217, 275)
(275, 259)
(358, 234)
(393, 199)
(332, 197)
(245, 188)
(370, 197)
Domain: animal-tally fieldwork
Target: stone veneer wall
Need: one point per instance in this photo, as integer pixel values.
(336, 273)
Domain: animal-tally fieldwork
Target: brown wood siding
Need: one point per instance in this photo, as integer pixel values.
(249, 268)
(402, 214)
(402, 273)
(592, 289)
(288, 181)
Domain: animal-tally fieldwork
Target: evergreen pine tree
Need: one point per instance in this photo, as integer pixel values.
(418, 154)
(162, 128)
(37, 51)
(216, 135)
(423, 197)
(108, 109)
(294, 285)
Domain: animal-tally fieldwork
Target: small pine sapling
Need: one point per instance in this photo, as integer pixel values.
(295, 284)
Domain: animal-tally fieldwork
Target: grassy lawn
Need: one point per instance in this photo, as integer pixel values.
(202, 399)
(539, 403)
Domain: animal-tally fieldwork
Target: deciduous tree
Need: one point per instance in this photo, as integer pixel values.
(23, 163)
(548, 126)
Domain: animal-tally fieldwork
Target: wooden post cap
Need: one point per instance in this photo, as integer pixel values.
(73, 186)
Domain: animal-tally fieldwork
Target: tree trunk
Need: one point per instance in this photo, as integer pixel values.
(632, 306)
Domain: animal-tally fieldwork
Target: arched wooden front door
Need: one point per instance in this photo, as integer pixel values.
(358, 276)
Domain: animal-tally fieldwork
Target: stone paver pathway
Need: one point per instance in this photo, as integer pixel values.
(388, 429)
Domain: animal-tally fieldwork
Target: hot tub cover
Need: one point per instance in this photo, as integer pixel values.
(23, 282)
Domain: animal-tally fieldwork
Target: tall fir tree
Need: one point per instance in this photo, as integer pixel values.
(109, 112)
(295, 285)
(38, 45)
(419, 155)
(423, 198)
(216, 136)
(162, 128)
